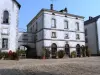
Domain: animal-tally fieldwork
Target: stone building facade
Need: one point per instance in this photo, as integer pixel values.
(9, 10)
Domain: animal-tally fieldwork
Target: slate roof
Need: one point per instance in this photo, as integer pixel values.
(94, 19)
(54, 11)
(17, 3)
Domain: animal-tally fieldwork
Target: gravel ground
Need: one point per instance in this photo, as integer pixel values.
(68, 66)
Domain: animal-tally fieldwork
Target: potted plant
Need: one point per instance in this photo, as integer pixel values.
(61, 54)
(73, 54)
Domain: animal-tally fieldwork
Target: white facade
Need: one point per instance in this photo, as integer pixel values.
(9, 29)
(92, 30)
(41, 27)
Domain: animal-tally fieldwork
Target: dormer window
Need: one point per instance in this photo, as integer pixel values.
(6, 17)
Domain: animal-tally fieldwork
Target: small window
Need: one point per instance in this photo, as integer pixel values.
(53, 23)
(25, 35)
(6, 17)
(66, 36)
(66, 24)
(77, 36)
(86, 40)
(4, 43)
(85, 32)
(77, 26)
(31, 29)
(36, 26)
(53, 34)
(4, 32)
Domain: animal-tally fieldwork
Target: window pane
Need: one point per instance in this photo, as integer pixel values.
(66, 24)
(4, 43)
(53, 34)
(53, 23)
(66, 36)
(77, 36)
(77, 25)
(85, 32)
(5, 17)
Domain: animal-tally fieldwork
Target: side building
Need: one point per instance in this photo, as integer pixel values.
(92, 34)
(9, 11)
(57, 30)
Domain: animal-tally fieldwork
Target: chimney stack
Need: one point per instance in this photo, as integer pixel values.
(51, 6)
(90, 17)
(66, 10)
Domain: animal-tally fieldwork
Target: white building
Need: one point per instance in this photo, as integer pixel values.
(9, 10)
(56, 30)
(92, 34)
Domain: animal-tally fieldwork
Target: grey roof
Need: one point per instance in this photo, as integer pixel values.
(54, 11)
(17, 3)
(93, 19)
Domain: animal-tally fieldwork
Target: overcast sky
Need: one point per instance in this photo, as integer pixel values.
(29, 8)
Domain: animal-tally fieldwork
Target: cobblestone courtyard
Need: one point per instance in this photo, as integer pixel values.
(75, 66)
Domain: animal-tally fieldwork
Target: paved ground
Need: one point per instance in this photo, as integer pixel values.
(75, 66)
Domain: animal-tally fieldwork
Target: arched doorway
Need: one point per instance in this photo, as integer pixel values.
(67, 50)
(78, 50)
(54, 50)
(30, 52)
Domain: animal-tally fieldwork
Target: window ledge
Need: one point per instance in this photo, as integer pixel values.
(4, 49)
(53, 37)
(5, 23)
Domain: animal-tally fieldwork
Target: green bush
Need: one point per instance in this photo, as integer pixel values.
(84, 53)
(73, 54)
(6, 56)
(88, 53)
(61, 54)
(47, 54)
(14, 56)
(19, 52)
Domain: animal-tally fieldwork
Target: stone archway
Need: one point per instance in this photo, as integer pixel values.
(30, 52)
(54, 50)
(78, 50)
(67, 50)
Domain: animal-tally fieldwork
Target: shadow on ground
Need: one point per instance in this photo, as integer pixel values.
(23, 72)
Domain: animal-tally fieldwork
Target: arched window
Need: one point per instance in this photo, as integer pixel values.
(77, 25)
(5, 16)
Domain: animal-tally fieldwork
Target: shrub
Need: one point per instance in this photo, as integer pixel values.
(14, 56)
(88, 53)
(61, 54)
(73, 54)
(84, 53)
(19, 52)
(47, 54)
(6, 56)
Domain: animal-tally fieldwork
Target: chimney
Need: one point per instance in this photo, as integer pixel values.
(90, 17)
(66, 10)
(51, 6)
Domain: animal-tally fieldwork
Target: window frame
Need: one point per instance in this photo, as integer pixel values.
(66, 37)
(86, 32)
(67, 24)
(54, 35)
(53, 23)
(3, 43)
(77, 37)
(77, 26)
(5, 17)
